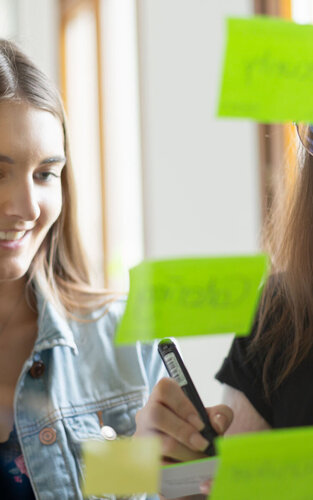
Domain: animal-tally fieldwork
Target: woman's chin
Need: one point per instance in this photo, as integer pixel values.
(12, 274)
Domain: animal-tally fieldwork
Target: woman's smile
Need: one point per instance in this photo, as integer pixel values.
(13, 240)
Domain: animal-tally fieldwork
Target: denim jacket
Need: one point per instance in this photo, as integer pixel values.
(87, 382)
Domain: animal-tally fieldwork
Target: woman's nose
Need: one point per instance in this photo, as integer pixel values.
(23, 202)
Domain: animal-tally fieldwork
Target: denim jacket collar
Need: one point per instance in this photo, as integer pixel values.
(53, 329)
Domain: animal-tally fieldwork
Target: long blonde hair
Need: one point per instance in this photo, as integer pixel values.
(284, 332)
(60, 267)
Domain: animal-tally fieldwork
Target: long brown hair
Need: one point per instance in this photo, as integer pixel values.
(287, 338)
(60, 268)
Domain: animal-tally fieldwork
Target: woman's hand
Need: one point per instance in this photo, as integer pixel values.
(171, 415)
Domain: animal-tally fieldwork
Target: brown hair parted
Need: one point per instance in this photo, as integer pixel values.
(284, 332)
(60, 268)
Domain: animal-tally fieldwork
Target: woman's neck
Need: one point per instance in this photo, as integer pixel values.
(14, 308)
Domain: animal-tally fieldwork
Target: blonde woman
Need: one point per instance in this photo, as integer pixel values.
(61, 380)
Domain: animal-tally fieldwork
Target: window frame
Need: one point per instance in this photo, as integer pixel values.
(68, 10)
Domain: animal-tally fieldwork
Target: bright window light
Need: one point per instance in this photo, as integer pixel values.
(302, 11)
(82, 105)
(122, 138)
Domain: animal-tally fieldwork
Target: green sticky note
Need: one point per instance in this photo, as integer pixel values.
(184, 297)
(122, 467)
(268, 70)
(267, 465)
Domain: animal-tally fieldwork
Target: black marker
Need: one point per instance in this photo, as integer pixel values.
(177, 370)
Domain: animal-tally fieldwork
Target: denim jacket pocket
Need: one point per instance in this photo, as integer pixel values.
(118, 413)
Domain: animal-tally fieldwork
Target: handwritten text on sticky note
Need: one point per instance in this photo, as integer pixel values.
(268, 70)
(271, 465)
(122, 467)
(183, 297)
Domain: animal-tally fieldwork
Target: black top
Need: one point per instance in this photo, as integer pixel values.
(291, 405)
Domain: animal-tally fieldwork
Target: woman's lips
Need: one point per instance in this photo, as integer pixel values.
(16, 243)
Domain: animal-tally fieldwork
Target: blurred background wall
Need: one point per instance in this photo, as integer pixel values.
(158, 175)
(200, 175)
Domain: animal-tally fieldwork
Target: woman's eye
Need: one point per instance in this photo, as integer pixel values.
(46, 176)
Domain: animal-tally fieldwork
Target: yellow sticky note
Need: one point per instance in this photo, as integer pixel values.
(268, 70)
(192, 296)
(265, 465)
(123, 467)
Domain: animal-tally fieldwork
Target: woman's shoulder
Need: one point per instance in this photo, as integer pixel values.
(103, 320)
(266, 316)
(113, 308)
(112, 305)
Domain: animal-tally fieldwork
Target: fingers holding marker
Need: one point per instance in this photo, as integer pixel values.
(170, 412)
(162, 419)
(173, 451)
(169, 394)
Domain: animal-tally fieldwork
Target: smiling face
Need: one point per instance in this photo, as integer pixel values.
(31, 161)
